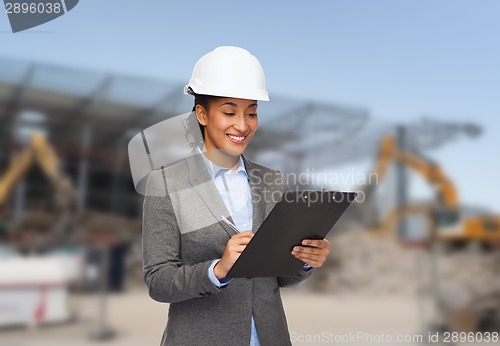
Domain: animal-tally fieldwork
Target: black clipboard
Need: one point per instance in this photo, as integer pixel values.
(309, 214)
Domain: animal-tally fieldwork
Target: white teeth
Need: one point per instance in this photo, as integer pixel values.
(236, 138)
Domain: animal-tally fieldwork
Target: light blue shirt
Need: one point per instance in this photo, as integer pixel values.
(234, 188)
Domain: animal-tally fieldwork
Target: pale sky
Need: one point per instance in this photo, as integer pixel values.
(399, 59)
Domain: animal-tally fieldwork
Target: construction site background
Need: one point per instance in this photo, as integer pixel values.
(414, 257)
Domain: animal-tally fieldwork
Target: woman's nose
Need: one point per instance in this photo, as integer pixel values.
(240, 123)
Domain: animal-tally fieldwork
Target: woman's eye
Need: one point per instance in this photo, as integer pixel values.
(252, 114)
(227, 113)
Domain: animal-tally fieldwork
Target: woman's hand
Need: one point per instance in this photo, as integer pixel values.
(234, 248)
(314, 253)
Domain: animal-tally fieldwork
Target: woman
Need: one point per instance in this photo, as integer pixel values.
(187, 249)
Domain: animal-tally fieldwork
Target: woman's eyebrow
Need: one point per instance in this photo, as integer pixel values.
(229, 103)
(235, 105)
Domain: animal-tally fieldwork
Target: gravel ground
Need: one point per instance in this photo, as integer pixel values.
(314, 319)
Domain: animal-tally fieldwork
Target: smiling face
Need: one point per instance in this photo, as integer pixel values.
(229, 125)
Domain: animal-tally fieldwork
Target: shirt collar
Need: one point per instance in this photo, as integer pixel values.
(215, 170)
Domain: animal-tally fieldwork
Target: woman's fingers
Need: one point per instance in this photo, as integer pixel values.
(234, 248)
(320, 243)
(316, 247)
(310, 250)
(314, 253)
(238, 248)
(312, 260)
(243, 234)
(239, 241)
(242, 238)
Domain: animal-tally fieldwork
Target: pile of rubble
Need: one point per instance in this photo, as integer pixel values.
(476, 270)
(362, 263)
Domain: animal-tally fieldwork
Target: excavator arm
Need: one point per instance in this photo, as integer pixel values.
(47, 159)
(433, 174)
(388, 152)
(39, 151)
(17, 169)
(445, 212)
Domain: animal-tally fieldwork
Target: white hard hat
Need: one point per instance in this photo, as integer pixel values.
(229, 72)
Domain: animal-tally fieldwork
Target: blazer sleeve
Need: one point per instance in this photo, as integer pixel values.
(284, 281)
(167, 279)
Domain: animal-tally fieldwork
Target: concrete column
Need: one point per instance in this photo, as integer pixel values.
(83, 169)
(401, 183)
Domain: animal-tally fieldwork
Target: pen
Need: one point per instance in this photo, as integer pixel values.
(230, 224)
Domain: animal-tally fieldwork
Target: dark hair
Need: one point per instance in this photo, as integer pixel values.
(204, 101)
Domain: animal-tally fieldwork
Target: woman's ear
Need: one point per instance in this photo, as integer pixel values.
(201, 114)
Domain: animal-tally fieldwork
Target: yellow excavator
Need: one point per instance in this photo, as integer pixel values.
(446, 223)
(39, 151)
(460, 305)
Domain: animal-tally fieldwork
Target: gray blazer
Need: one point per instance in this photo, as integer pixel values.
(182, 236)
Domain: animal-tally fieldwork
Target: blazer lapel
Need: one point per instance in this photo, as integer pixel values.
(258, 194)
(203, 184)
